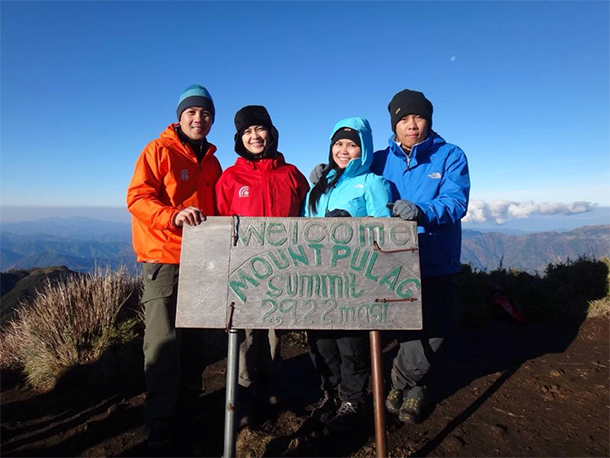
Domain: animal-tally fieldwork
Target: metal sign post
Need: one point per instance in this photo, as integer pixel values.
(377, 385)
(301, 273)
(231, 394)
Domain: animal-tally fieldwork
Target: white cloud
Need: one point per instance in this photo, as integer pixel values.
(453, 58)
(501, 211)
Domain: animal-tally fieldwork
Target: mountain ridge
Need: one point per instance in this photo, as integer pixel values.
(82, 243)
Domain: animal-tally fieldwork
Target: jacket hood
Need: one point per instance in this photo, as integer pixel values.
(362, 164)
(270, 150)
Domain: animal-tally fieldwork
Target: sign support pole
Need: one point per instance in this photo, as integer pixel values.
(231, 394)
(377, 385)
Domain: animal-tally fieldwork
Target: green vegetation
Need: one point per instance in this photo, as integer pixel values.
(566, 294)
(71, 323)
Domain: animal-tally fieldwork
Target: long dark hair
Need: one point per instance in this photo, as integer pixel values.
(323, 185)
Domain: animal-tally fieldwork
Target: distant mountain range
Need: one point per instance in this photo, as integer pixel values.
(77, 243)
(532, 252)
(81, 243)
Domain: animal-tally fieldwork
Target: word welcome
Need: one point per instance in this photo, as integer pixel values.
(317, 231)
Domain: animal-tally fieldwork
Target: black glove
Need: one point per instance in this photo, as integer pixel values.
(337, 213)
(406, 210)
(316, 173)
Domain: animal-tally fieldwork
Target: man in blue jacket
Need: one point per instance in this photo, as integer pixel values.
(430, 184)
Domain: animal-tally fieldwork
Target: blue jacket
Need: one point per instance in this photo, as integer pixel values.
(358, 191)
(435, 178)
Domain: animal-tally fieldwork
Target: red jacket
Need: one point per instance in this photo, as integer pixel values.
(266, 187)
(168, 178)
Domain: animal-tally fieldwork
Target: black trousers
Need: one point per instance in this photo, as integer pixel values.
(342, 360)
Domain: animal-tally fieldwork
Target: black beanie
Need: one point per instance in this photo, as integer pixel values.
(346, 133)
(252, 115)
(409, 102)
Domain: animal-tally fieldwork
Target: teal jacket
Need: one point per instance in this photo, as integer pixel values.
(358, 191)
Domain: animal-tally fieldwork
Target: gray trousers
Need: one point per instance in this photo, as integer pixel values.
(259, 356)
(173, 358)
(418, 349)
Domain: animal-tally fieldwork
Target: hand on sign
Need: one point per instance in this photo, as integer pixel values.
(337, 213)
(405, 210)
(190, 215)
(316, 173)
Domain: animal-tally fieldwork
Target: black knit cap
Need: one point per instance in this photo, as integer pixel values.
(409, 102)
(346, 133)
(252, 115)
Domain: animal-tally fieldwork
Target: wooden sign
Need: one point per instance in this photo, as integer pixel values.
(300, 273)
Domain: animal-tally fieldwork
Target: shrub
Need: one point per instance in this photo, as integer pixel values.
(70, 323)
(566, 294)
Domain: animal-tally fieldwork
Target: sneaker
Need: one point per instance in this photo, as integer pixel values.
(347, 416)
(411, 410)
(394, 400)
(325, 408)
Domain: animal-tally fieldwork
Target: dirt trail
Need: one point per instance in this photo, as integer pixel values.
(505, 390)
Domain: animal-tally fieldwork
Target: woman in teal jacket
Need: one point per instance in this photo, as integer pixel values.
(346, 188)
(350, 186)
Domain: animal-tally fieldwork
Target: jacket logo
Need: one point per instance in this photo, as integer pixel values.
(435, 176)
(359, 185)
(244, 191)
(184, 175)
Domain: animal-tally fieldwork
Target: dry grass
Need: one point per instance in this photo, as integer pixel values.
(601, 307)
(68, 324)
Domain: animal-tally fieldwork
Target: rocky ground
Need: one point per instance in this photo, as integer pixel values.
(505, 390)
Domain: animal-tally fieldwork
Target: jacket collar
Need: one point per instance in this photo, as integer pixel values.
(170, 134)
(263, 163)
(418, 151)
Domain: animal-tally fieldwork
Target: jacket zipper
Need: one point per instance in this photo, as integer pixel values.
(408, 155)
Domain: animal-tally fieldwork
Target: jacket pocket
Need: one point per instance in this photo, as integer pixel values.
(160, 280)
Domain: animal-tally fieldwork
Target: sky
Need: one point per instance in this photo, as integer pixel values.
(522, 87)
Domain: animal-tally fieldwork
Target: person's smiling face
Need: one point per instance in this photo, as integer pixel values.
(344, 150)
(196, 123)
(255, 139)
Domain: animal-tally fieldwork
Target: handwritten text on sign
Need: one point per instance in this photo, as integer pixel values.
(302, 273)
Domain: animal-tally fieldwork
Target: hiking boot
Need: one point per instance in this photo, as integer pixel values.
(394, 400)
(347, 416)
(411, 410)
(325, 408)
(159, 435)
(243, 414)
(269, 396)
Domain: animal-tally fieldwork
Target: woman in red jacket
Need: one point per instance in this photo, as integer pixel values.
(261, 183)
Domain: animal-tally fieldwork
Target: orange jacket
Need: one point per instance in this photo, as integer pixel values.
(168, 178)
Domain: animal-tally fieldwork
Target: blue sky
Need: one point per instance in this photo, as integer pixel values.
(521, 87)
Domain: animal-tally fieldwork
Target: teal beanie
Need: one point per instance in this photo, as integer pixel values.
(195, 96)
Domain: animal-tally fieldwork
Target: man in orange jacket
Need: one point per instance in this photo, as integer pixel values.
(173, 185)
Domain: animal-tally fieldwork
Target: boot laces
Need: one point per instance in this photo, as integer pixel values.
(347, 408)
